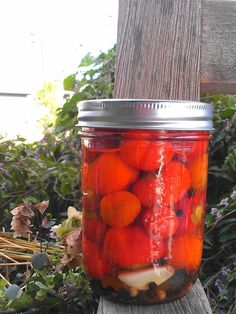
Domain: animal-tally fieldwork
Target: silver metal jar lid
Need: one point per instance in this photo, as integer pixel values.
(146, 114)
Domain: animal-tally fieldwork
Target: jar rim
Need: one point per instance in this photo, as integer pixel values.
(146, 114)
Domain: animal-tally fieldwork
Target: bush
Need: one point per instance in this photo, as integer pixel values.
(50, 169)
(219, 260)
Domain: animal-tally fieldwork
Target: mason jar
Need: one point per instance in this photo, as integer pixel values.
(144, 179)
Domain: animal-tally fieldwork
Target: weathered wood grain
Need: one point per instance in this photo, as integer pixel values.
(218, 56)
(194, 303)
(150, 31)
(158, 49)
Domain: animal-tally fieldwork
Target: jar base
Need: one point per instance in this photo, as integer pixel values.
(165, 293)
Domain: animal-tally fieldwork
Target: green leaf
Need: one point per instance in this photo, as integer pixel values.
(25, 302)
(227, 237)
(227, 221)
(42, 310)
(230, 161)
(66, 188)
(3, 283)
(69, 82)
(87, 60)
(41, 285)
(227, 113)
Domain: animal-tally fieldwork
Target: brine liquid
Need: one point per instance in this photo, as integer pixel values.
(143, 212)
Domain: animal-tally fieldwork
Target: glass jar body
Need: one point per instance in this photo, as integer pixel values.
(143, 199)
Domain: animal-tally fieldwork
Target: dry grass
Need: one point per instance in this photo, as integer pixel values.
(18, 252)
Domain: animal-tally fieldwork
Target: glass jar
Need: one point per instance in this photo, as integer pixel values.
(144, 179)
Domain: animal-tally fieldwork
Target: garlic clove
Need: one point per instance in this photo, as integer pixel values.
(141, 279)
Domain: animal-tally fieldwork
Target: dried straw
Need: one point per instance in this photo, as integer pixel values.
(18, 252)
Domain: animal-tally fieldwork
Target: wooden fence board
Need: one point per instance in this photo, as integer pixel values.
(150, 31)
(218, 53)
(158, 49)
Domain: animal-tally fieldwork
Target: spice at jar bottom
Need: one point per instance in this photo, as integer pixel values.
(144, 179)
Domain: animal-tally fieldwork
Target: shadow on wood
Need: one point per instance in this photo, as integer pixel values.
(194, 303)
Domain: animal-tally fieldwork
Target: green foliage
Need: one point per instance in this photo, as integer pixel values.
(3, 299)
(219, 263)
(219, 260)
(230, 162)
(94, 79)
(222, 147)
(50, 168)
(49, 291)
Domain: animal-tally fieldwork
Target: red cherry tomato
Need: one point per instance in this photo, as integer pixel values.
(177, 181)
(107, 174)
(90, 201)
(94, 230)
(185, 252)
(148, 189)
(190, 212)
(93, 260)
(160, 223)
(165, 188)
(130, 246)
(183, 210)
(146, 155)
(198, 170)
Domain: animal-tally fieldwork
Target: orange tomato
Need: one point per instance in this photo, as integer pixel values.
(146, 155)
(198, 169)
(186, 252)
(107, 174)
(119, 209)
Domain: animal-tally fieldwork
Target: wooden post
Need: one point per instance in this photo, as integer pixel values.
(158, 49)
(172, 49)
(157, 56)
